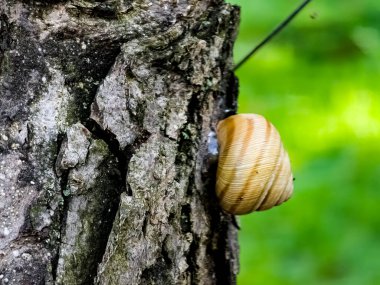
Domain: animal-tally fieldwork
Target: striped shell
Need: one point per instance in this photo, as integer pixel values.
(254, 170)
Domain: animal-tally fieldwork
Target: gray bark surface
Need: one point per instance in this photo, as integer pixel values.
(106, 108)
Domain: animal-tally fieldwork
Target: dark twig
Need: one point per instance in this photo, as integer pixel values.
(273, 33)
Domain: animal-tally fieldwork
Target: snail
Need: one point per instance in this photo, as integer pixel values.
(253, 172)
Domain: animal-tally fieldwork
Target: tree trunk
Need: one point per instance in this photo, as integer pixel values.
(105, 113)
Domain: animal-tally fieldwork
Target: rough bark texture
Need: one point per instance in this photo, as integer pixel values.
(105, 112)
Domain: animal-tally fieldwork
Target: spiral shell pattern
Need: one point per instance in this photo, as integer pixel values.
(254, 172)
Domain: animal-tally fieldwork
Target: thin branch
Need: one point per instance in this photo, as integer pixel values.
(273, 33)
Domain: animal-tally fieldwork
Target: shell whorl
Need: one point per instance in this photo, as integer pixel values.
(254, 170)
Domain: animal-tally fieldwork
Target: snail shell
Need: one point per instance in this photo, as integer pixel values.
(254, 170)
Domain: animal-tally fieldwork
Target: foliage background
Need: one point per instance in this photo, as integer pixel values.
(319, 83)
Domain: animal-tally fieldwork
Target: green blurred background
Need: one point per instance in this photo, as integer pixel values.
(319, 84)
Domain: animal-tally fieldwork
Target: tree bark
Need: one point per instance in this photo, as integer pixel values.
(106, 108)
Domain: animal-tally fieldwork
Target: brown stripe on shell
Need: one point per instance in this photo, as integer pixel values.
(240, 197)
(284, 191)
(290, 189)
(266, 190)
(277, 170)
(247, 138)
(285, 194)
(228, 139)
